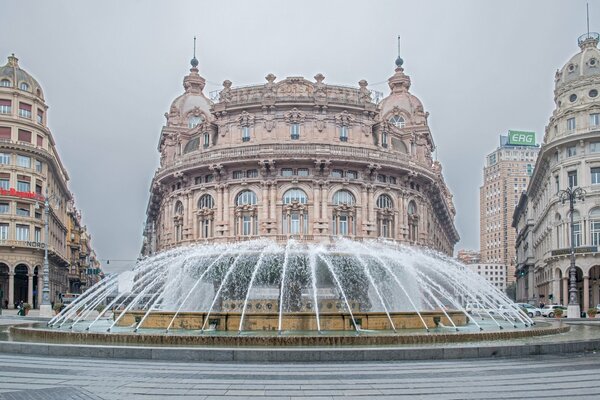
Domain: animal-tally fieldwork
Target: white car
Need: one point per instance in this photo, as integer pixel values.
(532, 311)
(549, 310)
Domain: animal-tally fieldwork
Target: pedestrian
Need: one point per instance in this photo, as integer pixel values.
(20, 309)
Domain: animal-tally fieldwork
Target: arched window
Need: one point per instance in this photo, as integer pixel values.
(194, 121)
(206, 201)
(397, 121)
(295, 212)
(178, 220)
(557, 223)
(246, 215)
(191, 145)
(245, 197)
(205, 214)
(385, 216)
(24, 86)
(179, 208)
(385, 201)
(343, 197)
(295, 195)
(5, 83)
(576, 229)
(344, 218)
(413, 221)
(595, 226)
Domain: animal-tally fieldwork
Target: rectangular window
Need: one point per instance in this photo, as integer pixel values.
(206, 140)
(245, 133)
(343, 224)
(238, 174)
(381, 178)
(40, 117)
(40, 141)
(24, 136)
(287, 172)
(295, 131)
(595, 231)
(595, 147)
(25, 110)
(571, 124)
(38, 166)
(246, 225)
(352, 174)
(337, 173)
(4, 158)
(392, 180)
(24, 161)
(37, 235)
(23, 210)
(252, 173)
(557, 183)
(302, 171)
(571, 151)
(38, 214)
(4, 207)
(572, 175)
(23, 186)
(344, 133)
(595, 172)
(22, 232)
(384, 140)
(5, 106)
(576, 234)
(594, 119)
(5, 181)
(3, 231)
(38, 187)
(208, 178)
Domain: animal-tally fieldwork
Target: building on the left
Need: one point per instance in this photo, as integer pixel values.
(30, 170)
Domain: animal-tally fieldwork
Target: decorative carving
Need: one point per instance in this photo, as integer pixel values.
(268, 94)
(295, 116)
(320, 124)
(245, 119)
(320, 90)
(344, 118)
(269, 122)
(225, 94)
(364, 94)
(295, 87)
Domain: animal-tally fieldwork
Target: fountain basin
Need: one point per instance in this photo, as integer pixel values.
(301, 321)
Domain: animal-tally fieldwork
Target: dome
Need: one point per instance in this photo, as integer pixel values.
(11, 75)
(582, 65)
(401, 102)
(192, 104)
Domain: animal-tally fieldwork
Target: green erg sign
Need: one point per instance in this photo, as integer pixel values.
(521, 138)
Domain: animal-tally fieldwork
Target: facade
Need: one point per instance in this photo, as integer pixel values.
(495, 274)
(298, 159)
(569, 157)
(84, 268)
(30, 169)
(505, 176)
(468, 256)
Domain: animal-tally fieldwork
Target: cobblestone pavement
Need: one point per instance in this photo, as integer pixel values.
(548, 377)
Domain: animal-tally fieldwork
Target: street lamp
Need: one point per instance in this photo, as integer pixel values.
(572, 194)
(45, 307)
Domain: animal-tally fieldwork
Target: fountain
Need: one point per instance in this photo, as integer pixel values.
(262, 288)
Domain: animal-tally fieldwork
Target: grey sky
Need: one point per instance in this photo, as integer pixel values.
(110, 70)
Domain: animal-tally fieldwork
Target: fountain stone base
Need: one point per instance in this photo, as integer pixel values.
(301, 321)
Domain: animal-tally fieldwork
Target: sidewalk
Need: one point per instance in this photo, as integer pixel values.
(13, 313)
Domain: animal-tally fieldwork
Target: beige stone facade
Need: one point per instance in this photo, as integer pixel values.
(301, 159)
(569, 157)
(505, 176)
(30, 168)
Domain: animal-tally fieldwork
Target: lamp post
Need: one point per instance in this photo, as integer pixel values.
(572, 194)
(45, 307)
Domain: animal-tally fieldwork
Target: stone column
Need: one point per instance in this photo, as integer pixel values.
(30, 289)
(565, 292)
(316, 202)
(226, 216)
(264, 205)
(220, 204)
(586, 293)
(324, 195)
(274, 202)
(11, 289)
(40, 286)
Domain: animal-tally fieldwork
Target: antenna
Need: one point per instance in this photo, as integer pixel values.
(195, 44)
(399, 45)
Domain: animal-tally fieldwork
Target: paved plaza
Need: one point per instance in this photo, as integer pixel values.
(548, 377)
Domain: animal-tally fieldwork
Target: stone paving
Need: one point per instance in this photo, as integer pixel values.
(548, 377)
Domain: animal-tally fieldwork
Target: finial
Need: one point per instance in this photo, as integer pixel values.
(399, 60)
(194, 61)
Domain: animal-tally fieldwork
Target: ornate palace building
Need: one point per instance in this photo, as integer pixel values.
(569, 157)
(30, 168)
(298, 159)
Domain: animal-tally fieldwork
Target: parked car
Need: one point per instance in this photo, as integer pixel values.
(530, 310)
(549, 310)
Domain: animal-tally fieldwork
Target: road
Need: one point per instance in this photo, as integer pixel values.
(548, 377)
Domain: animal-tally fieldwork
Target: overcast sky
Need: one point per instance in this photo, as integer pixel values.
(110, 69)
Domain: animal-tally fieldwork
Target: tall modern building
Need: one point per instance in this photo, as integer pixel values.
(30, 168)
(505, 176)
(569, 157)
(298, 159)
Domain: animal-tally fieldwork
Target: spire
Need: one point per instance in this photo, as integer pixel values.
(589, 39)
(194, 61)
(399, 60)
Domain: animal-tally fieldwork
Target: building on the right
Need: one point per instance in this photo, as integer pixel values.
(569, 158)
